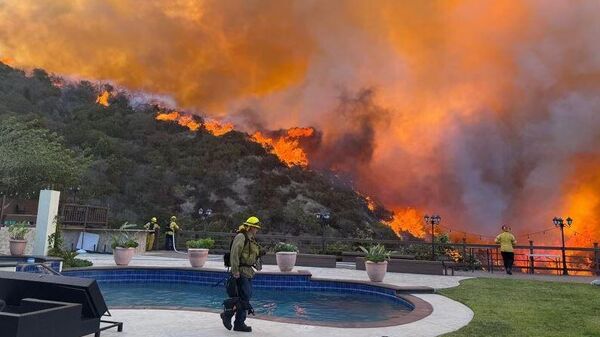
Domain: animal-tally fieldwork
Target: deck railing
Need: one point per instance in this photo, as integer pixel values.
(528, 258)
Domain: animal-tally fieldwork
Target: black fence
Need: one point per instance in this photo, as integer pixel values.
(529, 259)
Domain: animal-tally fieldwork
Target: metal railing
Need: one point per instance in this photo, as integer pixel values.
(528, 258)
(84, 215)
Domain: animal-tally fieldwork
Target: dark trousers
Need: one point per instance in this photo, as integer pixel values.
(168, 242)
(509, 259)
(242, 290)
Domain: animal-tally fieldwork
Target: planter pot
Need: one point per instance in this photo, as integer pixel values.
(197, 256)
(286, 260)
(123, 256)
(376, 270)
(17, 247)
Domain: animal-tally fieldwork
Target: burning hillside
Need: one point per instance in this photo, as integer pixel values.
(486, 112)
(285, 144)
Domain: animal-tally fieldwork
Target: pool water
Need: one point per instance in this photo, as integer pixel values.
(309, 306)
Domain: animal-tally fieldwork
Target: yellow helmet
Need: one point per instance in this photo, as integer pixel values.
(153, 219)
(252, 222)
(173, 218)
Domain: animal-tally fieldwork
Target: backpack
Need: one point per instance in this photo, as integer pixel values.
(227, 256)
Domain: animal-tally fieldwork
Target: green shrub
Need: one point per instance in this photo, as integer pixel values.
(18, 231)
(285, 247)
(70, 260)
(207, 243)
(376, 253)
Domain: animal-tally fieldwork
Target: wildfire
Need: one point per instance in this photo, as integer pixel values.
(217, 128)
(103, 98)
(6, 60)
(583, 202)
(408, 219)
(451, 126)
(371, 204)
(286, 144)
(181, 119)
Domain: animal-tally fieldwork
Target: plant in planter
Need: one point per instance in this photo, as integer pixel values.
(17, 233)
(198, 251)
(123, 246)
(286, 254)
(376, 261)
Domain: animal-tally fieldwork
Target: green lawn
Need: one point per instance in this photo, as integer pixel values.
(505, 307)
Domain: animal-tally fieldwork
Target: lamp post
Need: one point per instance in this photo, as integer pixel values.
(74, 190)
(205, 214)
(323, 218)
(432, 220)
(559, 222)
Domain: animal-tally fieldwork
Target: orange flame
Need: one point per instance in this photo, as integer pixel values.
(408, 220)
(371, 204)
(6, 60)
(583, 202)
(217, 128)
(287, 145)
(103, 98)
(181, 119)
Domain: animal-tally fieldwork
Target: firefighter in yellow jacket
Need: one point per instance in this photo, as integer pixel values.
(170, 233)
(243, 258)
(153, 226)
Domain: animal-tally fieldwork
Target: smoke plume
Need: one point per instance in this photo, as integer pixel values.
(487, 112)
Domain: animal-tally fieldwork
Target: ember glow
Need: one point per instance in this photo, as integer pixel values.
(103, 98)
(485, 112)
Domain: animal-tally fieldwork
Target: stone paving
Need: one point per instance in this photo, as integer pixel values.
(447, 316)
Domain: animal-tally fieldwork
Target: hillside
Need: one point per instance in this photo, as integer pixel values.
(141, 167)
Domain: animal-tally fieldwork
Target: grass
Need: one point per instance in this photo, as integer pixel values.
(505, 307)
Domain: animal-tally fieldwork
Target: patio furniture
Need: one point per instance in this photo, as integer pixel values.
(51, 306)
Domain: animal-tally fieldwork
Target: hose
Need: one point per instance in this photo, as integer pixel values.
(175, 246)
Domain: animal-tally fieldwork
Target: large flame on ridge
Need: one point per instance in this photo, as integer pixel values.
(103, 98)
(186, 120)
(286, 144)
(486, 112)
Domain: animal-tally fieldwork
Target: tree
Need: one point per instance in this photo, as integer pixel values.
(32, 158)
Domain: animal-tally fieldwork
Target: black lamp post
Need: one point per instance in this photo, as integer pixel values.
(432, 220)
(205, 214)
(323, 218)
(74, 190)
(559, 222)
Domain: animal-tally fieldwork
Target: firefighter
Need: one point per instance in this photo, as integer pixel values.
(244, 258)
(507, 241)
(170, 233)
(154, 227)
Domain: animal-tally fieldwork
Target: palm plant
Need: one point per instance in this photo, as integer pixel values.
(376, 253)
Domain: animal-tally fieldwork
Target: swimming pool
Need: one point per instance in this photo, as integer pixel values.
(292, 298)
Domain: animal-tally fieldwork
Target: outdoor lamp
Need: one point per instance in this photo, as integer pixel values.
(559, 222)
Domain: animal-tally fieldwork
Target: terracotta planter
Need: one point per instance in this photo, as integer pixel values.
(197, 257)
(17, 247)
(286, 260)
(376, 270)
(123, 256)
